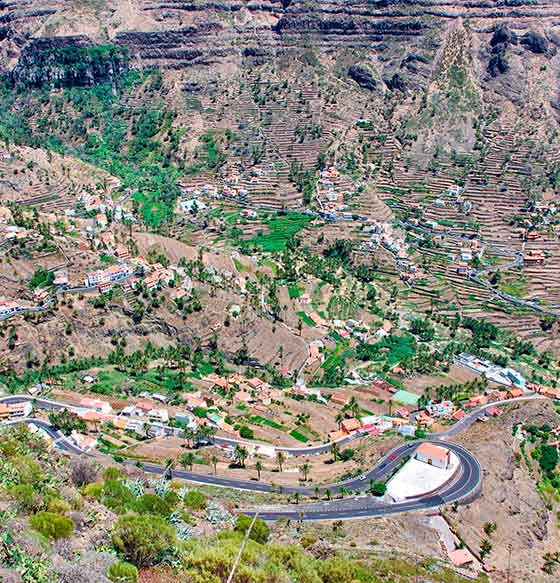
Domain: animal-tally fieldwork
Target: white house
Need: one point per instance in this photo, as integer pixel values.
(433, 455)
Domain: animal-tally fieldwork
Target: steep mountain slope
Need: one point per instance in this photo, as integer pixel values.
(259, 94)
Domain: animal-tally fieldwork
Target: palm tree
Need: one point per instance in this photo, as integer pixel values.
(280, 458)
(339, 419)
(259, 468)
(214, 461)
(328, 494)
(305, 469)
(354, 407)
(205, 433)
(188, 436)
(335, 451)
(187, 460)
(169, 463)
(296, 497)
(317, 492)
(241, 455)
(343, 492)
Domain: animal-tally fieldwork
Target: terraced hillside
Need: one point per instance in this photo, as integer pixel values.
(259, 95)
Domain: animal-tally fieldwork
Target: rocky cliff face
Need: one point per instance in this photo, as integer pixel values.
(68, 62)
(428, 71)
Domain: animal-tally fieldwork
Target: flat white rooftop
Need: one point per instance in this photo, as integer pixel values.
(416, 478)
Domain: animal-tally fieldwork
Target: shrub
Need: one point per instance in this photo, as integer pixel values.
(51, 525)
(112, 474)
(123, 572)
(117, 496)
(58, 506)
(347, 454)
(94, 491)
(28, 471)
(83, 472)
(152, 504)
(246, 432)
(260, 531)
(308, 540)
(195, 500)
(141, 539)
(26, 497)
(378, 488)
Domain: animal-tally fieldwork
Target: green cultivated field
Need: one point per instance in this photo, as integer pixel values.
(282, 228)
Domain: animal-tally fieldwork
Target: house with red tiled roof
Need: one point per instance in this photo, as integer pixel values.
(218, 381)
(458, 415)
(497, 396)
(494, 411)
(476, 400)
(550, 392)
(461, 557)
(434, 455)
(97, 405)
(340, 399)
(349, 425)
(244, 397)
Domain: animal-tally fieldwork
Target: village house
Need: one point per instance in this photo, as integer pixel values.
(248, 214)
(534, 256)
(379, 383)
(407, 430)
(122, 252)
(458, 415)
(549, 392)
(15, 410)
(107, 239)
(161, 415)
(94, 419)
(101, 220)
(315, 351)
(476, 400)
(402, 413)
(60, 278)
(350, 425)
(494, 411)
(119, 423)
(140, 409)
(40, 295)
(194, 400)
(341, 399)
(442, 409)
(218, 381)
(424, 419)
(461, 557)
(5, 215)
(433, 455)
(497, 396)
(304, 299)
(97, 405)
(462, 268)
(85, 442)
(111, 274)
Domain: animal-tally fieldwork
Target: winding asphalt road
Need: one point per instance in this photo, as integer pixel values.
(465, 485)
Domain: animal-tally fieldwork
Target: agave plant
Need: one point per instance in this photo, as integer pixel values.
(218, 516)
(136, 487)
(161, 487)
(184, 531)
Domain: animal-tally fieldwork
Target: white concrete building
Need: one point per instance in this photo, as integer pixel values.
(433, 455)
